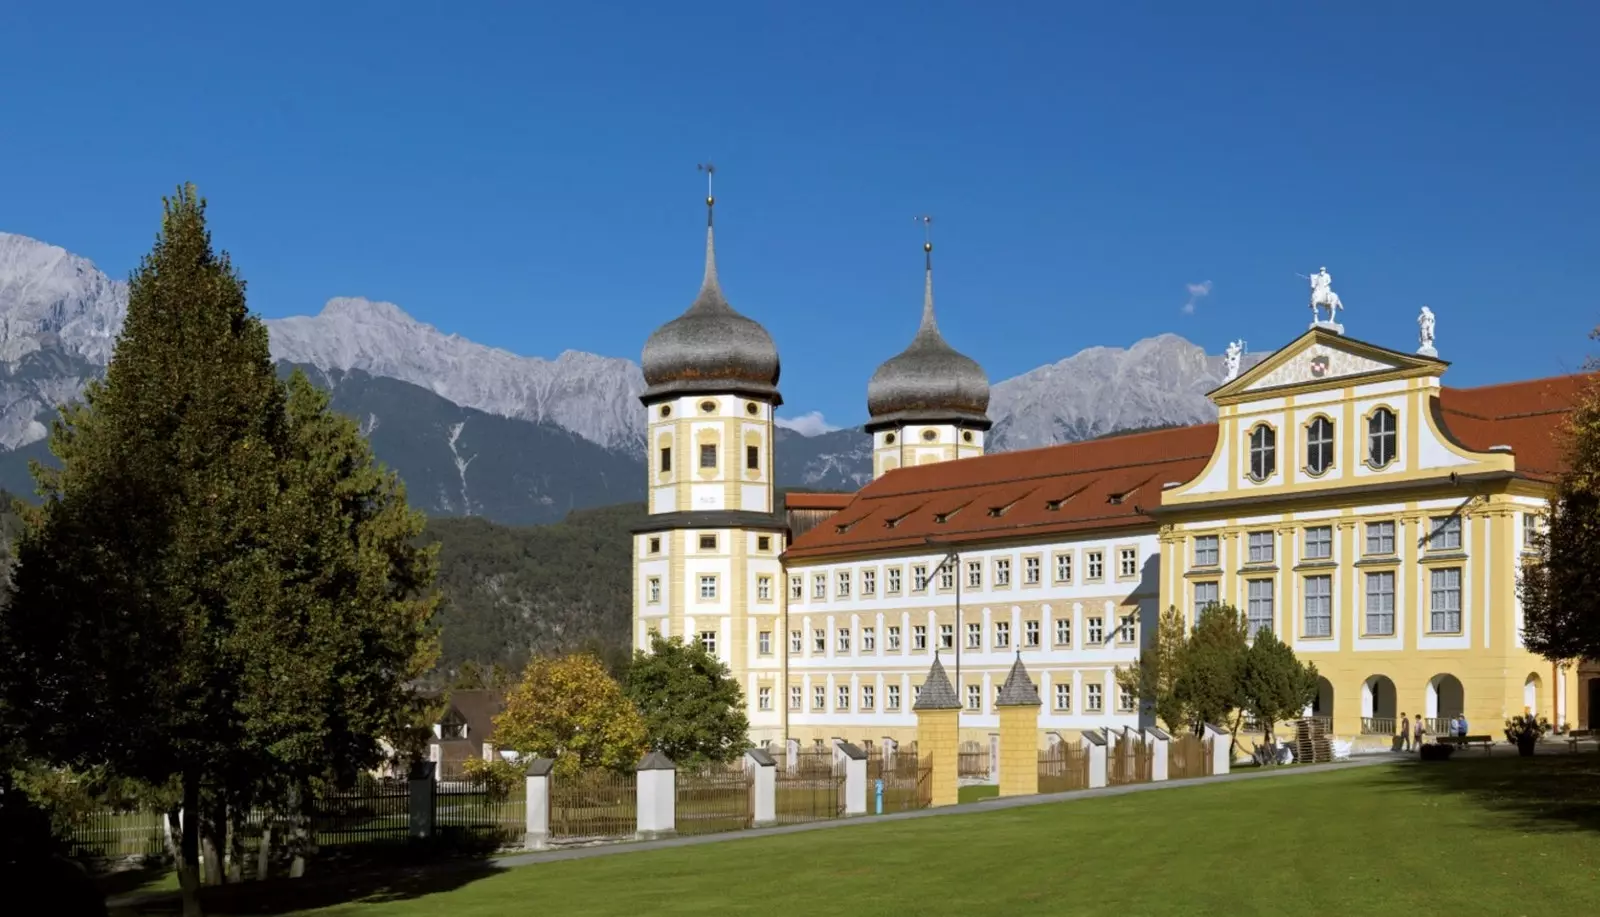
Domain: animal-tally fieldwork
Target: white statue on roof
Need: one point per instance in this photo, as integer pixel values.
(1233, 354)
(1322, 295)
(1425, 333)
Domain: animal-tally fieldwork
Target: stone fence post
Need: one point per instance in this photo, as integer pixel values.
(764, 771)
(1219, 742)
(537, 809)
(419, 805)
(855, 776)
(1094, 743)
(657, 787)
(1157, 740)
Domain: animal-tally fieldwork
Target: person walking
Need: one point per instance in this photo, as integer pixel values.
(1419, 733)
(1405, 733)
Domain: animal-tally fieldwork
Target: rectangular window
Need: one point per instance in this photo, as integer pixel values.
(869, 697)
(842, 697)
(1207, 551)
(947, 636)
(764, 588)
(794, 697)
(974, 636)
(869, 639)
(764, 543)
(1124, 699)
(819, 585)
(1319, 606)
(708, 455)
(666, 459)
(1002, 572)
(1096, 698)
(764, 643)
(974, 697)
(1444, 605)
(919, 636)
(947, 576)
(1128, 630)
(1445, 534)
(1030, 633)
(842, 644)
(708, 588)
(764, 699)
(752, 458)
(708, 542)
(1063, 568)
(844, 584)
(1128, 562)
(653, 590)
(1380, 538)
(1258, 607)
(1063, 631)
(919, 578)
(1030, 571)
(797, 587)
(1319, 543)
(655, 545)
(974, 574)
(1097, 631)
(1002, 634)
(1205, 595)
(1096, 563)
(819, 698)
(708, 641)
(1063, 697)
(796, 642)
(1380, 604)
(819, 642)
(869, 582)
(1261, 547)
(891, 698)
(894, 637)
(894, 580)
(1532, 530)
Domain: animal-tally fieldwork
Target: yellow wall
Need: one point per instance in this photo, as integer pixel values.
(1019, 751)
(936, 736)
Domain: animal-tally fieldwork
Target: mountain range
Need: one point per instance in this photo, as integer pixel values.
(478, 431)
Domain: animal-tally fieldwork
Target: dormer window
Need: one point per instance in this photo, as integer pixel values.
(1319, 445)
(1263, 453)
(1382, 438)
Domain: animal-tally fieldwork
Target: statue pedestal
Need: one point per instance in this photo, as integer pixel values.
(1426, 350)
(1333, 326)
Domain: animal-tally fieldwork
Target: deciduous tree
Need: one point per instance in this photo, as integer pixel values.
(1154, 677)
(1274, 685)
(571, 711)
(693, 709)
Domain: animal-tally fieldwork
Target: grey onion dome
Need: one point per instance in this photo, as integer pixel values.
(710, 348)
(929, 381)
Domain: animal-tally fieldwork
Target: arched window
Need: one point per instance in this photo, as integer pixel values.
(1381, 438)
(1319, 445)
(1263, 453)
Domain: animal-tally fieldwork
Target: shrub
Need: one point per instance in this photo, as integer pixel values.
(1433, 752)
(497, 775)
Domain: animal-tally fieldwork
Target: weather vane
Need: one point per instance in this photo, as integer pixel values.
(927, 231)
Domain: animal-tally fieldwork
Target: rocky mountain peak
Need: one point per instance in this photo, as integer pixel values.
(50, 297)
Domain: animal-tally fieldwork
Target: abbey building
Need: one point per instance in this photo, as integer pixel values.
(1371, 516)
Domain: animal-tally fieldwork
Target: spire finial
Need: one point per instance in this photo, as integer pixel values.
(710, 284)
(711, 201)
(929, 324)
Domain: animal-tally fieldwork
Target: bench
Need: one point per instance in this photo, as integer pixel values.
(1486, 741)
(1574, 736)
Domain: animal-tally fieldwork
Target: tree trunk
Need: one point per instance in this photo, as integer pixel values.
(211, 844)
(235, 827)
(264, 855)
(189, 847)
(297, 835)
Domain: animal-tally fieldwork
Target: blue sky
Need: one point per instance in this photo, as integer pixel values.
(524, 174)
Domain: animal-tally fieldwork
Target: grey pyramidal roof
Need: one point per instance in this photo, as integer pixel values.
(936, 691)
(1018, 690)
(929, 381)
(710, 348)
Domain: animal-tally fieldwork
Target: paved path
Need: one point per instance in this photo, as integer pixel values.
(987, 805)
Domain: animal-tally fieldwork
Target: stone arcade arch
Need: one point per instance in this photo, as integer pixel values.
(1378, 705)
(1531, 688)
(1445, 699)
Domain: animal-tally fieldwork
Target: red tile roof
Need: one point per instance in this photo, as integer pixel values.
(1105, 484)
(817, 501)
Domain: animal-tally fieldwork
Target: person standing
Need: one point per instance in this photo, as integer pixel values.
(1405, 733)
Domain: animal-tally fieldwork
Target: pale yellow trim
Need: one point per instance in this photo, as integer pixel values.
(1039, 582)
(1305, 445)
(1120, 550)
(1249, 453)
(1366, 436)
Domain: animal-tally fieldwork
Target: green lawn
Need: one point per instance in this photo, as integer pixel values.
(1497, 836)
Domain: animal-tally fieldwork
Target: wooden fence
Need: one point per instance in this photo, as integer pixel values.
(973, 762)
(1062, 768)
(1188, 756)
(1127, 761)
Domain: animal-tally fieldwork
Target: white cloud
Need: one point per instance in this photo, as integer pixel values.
(810, 423)
(1197, 292)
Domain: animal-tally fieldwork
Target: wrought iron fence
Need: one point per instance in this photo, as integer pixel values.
(594, 805)
(1127, 761)
(1377, 726)
(110, 833)
(1063, 767)
(973, 760)
(713, 798)
(475, 810)
(1188, 756)
(374, 811)
(900, 774)
(810, 786)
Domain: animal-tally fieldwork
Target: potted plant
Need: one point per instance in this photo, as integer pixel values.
(1525, 730)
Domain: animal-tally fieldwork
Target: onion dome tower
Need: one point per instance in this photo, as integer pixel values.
(705, 559)
(928, 403)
